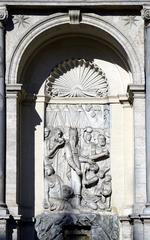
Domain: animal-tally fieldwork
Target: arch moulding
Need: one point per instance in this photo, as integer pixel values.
(60, 19)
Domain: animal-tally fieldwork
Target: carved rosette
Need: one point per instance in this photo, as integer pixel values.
(77, 78)
(21, 20)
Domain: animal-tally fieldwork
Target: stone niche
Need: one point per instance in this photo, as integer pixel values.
(77, 137)
(77, 171)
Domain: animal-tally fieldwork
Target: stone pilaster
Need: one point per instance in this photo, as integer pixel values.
(3, 229)
(146, 16)
(14, 96)
(3, 208)
(142, 150)
(137, 97)
(127, 229)
(146, 221)
(138, 228)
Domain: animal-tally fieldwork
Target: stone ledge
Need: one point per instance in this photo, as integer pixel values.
(75, 2)
(13, 87)
(5, 217)
(17, 218)
(140, 217)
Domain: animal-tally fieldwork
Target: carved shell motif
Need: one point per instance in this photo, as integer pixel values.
(77, 78)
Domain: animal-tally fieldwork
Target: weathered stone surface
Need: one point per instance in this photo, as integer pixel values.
(53, 226)
(32, 51)
(78, 2)
(77, 140)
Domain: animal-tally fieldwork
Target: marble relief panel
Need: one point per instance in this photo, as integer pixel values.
(77, 157)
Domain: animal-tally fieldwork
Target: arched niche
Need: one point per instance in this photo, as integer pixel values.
(76, 46)
(46, 45)
(57, 25)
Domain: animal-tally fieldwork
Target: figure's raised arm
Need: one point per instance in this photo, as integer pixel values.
(55, 147)
(99, 156)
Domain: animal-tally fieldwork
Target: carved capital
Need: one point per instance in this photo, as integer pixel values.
(74, 16)
(136, 91)
(3, 13)
(15, 91)
(145, 13)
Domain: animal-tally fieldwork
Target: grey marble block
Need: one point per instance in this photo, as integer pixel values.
(77, 226)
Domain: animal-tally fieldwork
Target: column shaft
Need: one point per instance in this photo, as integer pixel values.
(2, 120)
(148, 115)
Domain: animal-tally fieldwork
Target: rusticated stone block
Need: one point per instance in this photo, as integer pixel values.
(82, 226)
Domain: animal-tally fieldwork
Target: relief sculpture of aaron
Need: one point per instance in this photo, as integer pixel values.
(77, 139)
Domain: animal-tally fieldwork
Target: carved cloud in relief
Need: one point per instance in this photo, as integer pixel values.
(77, 78)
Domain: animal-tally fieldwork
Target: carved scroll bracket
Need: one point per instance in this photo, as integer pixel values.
(3, 14)
(75, 16)
(145, 13)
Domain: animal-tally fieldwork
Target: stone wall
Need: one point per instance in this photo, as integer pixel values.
(48, 50)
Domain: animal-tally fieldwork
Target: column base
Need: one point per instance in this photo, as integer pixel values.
(3, 229)
(146, 221)
(3, 209)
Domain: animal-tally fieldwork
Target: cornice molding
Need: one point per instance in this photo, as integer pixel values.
(74, 2)
(136, 91)
(15, 91)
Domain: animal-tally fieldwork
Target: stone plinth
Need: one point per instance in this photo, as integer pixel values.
(77, 226)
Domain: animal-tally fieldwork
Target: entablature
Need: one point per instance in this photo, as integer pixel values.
(91, 3)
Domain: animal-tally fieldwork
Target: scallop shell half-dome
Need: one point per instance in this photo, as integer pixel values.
(77, 78)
